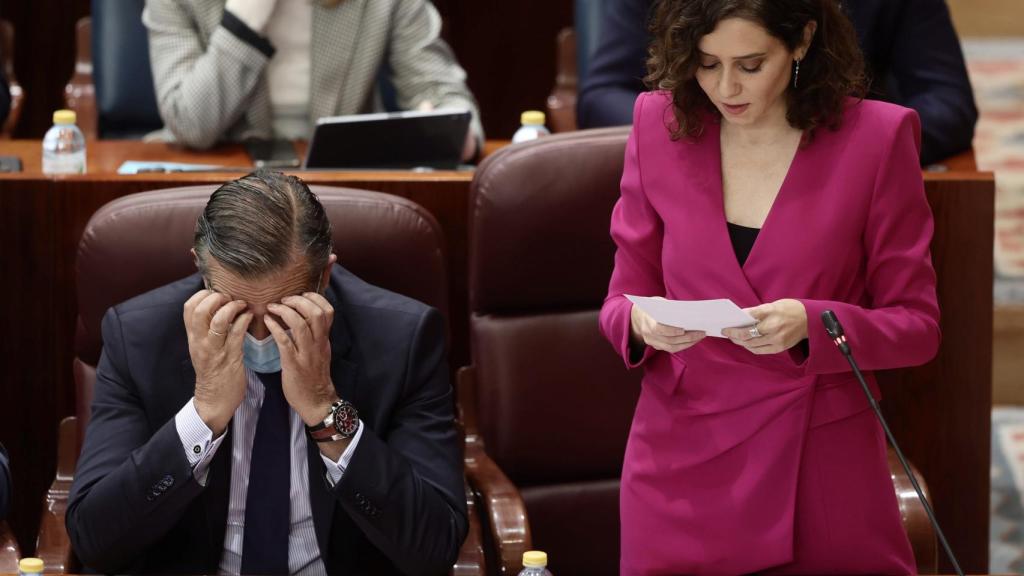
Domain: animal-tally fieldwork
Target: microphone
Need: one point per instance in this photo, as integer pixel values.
(838, 336)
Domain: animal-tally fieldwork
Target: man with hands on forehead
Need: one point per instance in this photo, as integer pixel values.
(271, 414)
(231, 326)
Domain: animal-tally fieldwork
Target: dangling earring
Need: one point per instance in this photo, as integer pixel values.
(796, 74)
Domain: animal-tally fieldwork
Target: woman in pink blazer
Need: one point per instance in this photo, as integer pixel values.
(758, 452)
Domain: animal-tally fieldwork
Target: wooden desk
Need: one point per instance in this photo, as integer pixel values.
(41, 221)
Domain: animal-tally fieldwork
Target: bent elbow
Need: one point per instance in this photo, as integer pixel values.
(197, 139)
(188, 130)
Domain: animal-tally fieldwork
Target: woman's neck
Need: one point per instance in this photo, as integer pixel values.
(769, 130)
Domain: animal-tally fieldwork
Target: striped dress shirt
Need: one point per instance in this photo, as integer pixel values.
(200, 446)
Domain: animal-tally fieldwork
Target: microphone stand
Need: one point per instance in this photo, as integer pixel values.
(838, 336)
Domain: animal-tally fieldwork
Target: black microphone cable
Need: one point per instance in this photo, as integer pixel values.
(838, 336)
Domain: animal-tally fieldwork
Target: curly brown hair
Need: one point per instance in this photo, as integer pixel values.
(832, 69)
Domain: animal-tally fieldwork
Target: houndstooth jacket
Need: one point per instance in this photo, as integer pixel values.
(211, 81)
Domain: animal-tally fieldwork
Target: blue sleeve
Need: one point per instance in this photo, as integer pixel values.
(617, 68)
(928, 67)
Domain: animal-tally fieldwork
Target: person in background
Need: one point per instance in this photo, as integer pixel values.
(270, 414)
(912, 54)
(755, 172)
(271, 68)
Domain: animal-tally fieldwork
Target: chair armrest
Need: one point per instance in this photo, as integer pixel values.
(915, 519)
(471, 561)
(80, 91)
(53, 545)
(508, 531)
(9, 551)
(562, 101)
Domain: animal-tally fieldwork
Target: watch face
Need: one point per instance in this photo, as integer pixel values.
(346, 419)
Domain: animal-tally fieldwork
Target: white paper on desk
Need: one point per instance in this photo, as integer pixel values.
(141, 167)
(708, 316)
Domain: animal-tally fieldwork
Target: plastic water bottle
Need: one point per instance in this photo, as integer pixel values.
(30, 567)
(535, 563)
(64, 145)
(532, 127)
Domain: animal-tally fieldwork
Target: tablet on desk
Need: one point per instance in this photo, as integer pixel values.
(398, 140)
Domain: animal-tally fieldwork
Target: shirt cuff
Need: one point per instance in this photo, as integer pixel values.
(335, 470)
(197, 440)
(245, 33)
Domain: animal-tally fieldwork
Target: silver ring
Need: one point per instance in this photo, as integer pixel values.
(754, 332)
(215, 333)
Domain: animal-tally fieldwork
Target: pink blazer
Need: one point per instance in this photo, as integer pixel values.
(710, 473)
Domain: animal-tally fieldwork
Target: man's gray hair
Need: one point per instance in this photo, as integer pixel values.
(260, 223)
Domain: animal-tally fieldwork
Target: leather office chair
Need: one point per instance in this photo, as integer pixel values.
(17, 93)
(553, 401)
(123, 98)
(386, 240)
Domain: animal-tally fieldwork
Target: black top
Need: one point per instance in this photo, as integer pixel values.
(742, 240)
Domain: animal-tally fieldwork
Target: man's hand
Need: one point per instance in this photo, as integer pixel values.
(782, 325)
(306, 359)
(216, 326)
(306, 354)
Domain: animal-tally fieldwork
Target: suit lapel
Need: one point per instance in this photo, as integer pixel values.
(344, 375)
(697, 169)
(335, 36)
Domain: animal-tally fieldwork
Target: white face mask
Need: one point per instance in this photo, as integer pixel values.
(261, 355)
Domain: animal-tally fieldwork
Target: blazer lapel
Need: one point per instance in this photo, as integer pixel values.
(701, 223)
(344, 375)
(335, 36)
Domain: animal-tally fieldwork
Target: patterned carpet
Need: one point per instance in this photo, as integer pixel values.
(1006, 524)
(996, 68)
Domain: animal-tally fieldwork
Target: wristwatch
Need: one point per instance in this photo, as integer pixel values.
(341, 423)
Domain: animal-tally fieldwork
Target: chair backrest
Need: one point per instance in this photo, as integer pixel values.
(554, 403)
(142, 241)
(125, 97)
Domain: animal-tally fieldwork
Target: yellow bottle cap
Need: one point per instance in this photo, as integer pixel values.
(535, 558)
(64, 117)
(30, 565)
(532, 118)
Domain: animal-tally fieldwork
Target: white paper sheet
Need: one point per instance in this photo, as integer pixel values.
(142, 167)
(708, 316)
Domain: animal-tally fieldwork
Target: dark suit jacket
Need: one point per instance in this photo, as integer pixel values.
(400, 507)
(5, 483)
(910, 48)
